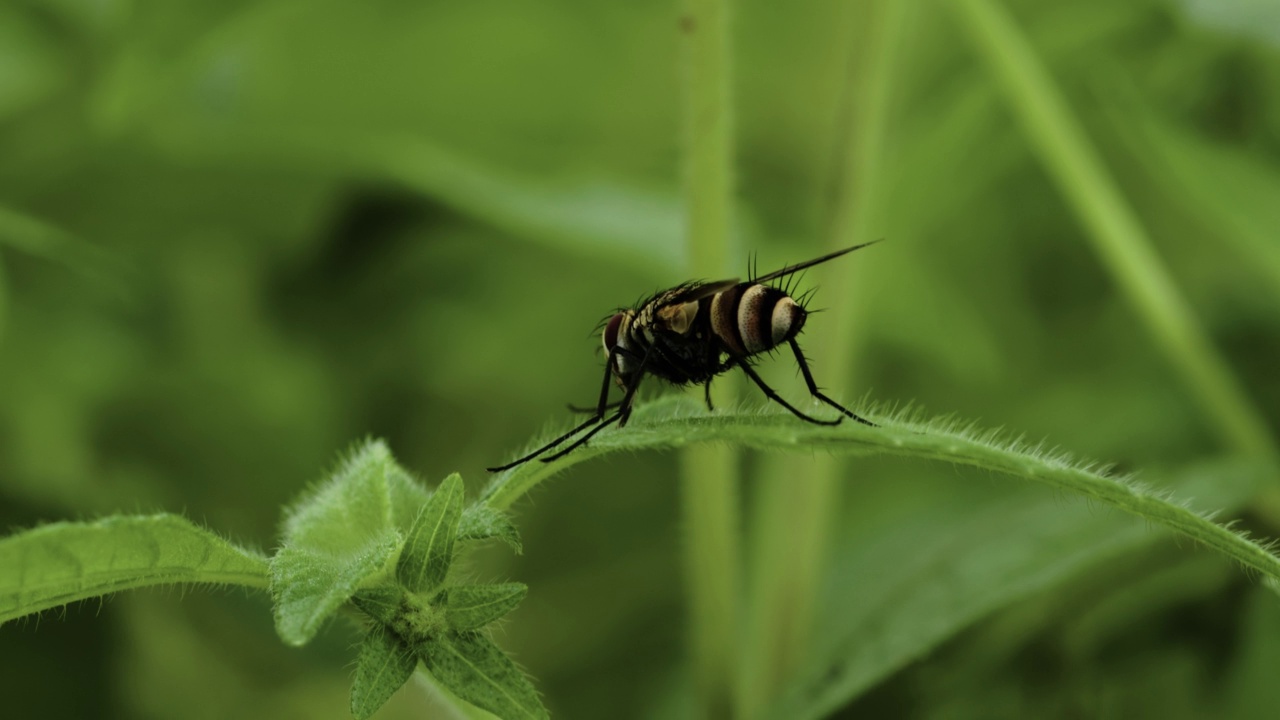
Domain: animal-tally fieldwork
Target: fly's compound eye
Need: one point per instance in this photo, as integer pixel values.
(611, 332)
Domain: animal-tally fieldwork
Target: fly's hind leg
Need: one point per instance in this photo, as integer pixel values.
(773, 395)
(813, 386)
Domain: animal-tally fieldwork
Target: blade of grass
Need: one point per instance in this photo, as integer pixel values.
(709, 475)
(1115, 231)
(793, 518)
(38, 238)
(4, 300)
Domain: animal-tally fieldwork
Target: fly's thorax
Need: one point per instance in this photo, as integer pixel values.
(751, 318)
(678, 318)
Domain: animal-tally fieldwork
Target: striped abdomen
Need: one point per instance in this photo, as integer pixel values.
(751, 318)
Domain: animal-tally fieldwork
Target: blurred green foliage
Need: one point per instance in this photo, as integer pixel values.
(235, 236)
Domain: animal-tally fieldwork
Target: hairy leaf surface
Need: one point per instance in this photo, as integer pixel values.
(678, 421)
(384, 665)
(472, 667)
(428, 551)
(336, 539)
(60, 563)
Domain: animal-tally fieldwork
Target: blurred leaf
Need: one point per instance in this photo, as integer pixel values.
(1231, 189)
(38, 238)
(590, 215)
(1193, 578)
(336, 538)
(428, 551)
(384, 665)
(593, 214)
(1258, 19)
(55, 564)
(1119, 239)
(960, 131)
(1250, 691)
(470, 666)
(471, 607)
(30, 68)
(895, 598)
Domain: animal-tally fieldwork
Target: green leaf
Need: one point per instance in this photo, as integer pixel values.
(896, 596)
(384, 665)
(408, 495)
(336, 539)
(678, 421)
(428, 552)
(481, 522)
(471, 607)
(383, 604)
(60, 563)
(472, 667)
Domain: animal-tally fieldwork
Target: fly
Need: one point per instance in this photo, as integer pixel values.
(690, 334)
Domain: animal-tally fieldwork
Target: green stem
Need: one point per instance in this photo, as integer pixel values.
(794, 515)
(4, 300)
(1113, 228)
(709, 475)
(710, 505)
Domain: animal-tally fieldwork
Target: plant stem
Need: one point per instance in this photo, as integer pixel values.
(794, 515)
(1117, 235)
(709, 474)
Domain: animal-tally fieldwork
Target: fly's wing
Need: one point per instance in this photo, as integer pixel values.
(676, 309)
(690, 292)
(790, 269)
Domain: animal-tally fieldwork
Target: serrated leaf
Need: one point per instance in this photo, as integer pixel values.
(384, 665)
(471, 607)
(481, 522)
(310, 587)
(428, 551)
(336, 539)
(472, 667)
(53, 565)
(381, 603)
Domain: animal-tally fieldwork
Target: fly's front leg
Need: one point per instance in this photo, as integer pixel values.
(595, 418)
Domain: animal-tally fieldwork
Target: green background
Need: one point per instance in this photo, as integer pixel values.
(237, 236)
